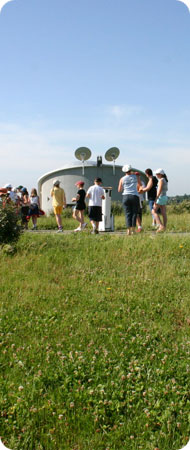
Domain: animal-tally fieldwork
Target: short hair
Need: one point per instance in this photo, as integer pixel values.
(98, 180)
(149, 172)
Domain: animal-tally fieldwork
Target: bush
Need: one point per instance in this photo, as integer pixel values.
(9, 227)
(179, 208)
(117, 208)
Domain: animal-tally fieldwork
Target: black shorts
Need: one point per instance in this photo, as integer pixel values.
(80, 206)
(95, 213)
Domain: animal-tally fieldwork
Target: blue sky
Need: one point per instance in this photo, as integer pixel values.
(95, 73)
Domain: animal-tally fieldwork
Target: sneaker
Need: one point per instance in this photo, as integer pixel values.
(60, 230)
(84, 225)
(77, 229)
(139, 230)
(34, 228)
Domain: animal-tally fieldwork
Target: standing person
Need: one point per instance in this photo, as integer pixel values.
(151, 189)
(25, 203)
(34, 207)
(161, 200)
(128, 187)
(59, 202)
(140, 208)
(78, 212)
(95, 194)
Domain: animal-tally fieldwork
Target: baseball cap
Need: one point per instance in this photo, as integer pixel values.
(161, 171)
(127, 168)
(80, 182)
(56, 182)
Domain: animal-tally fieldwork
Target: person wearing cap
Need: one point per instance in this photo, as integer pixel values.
(128, 187)
(161, 200)
(79, 208)
(59, 202)
(95, 194)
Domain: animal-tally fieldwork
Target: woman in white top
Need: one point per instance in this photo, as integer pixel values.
(161, 200)
(34, 207)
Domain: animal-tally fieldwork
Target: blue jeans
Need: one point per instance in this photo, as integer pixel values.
(151, 203)
(130, 205)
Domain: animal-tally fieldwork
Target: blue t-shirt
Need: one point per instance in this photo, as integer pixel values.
(130, 185)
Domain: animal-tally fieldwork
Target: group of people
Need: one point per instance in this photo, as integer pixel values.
(130, 185)
(133, 191)
(28, 206)
(95, 194)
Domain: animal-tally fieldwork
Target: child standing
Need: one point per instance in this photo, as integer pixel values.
(59, 202)
(95, 194)
(78, 212)
(34, 207)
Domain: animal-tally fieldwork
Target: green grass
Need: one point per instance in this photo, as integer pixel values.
(95, 342)
(176, 222)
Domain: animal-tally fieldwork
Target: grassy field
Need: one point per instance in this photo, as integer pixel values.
(95, 342)
(176, 222)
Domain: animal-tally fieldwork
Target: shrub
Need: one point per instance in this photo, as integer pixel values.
(117, 208)
(179, 208)
(9, 227)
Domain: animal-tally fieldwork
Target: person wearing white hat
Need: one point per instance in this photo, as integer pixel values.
(59, 202)
(128, 187)
(161, 199)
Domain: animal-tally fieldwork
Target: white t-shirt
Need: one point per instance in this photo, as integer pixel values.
(95, 193)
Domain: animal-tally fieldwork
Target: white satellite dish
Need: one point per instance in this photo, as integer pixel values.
(83, 153)
(111, 155)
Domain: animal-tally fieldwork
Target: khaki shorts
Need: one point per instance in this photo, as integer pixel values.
(58, 209)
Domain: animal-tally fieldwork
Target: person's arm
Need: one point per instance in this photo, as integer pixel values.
(64, 200)
(139, 184)
(159, 190)
(120, 186)
(148, 186)
(75, 199)
(88, 194)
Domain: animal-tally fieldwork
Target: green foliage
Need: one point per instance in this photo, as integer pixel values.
(180, 208)
(117, 208)
(9, 227)
(95, 342)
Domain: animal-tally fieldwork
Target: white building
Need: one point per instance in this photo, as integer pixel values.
(71, 173)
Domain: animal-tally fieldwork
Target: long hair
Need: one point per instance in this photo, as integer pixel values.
(166, 178)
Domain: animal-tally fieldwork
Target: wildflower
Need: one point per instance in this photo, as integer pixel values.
(60, 416)
(20, 388)
(72, 405)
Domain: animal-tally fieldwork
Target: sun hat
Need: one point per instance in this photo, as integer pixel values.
(56, 182)
(161, 171)
(80, 182)
(127, 168)
(8, 186)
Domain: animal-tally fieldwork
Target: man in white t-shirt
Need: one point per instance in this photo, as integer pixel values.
(95, 194)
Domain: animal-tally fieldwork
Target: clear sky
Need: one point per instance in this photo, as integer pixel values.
(95, 73)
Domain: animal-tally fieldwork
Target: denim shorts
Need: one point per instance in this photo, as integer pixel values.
(162, 200)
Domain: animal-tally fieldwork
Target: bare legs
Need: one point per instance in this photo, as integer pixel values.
(95, 226)
(34, 221)
(59, 221)
(79, 215)
(162, 226)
